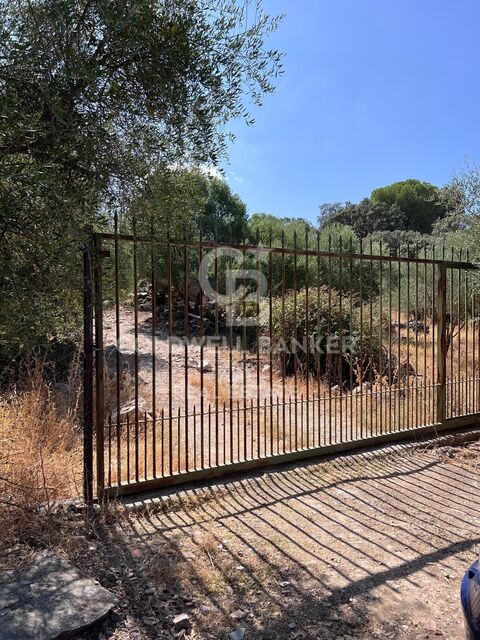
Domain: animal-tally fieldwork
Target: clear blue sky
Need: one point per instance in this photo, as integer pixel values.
(374, 91)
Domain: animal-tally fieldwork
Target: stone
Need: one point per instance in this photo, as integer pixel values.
(182, 621)
(128, 409)
(238, 615)
(237, 634)
(50, 599)
(203, 365)
(126, 360)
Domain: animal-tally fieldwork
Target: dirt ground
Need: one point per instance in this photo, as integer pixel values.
(366, 546)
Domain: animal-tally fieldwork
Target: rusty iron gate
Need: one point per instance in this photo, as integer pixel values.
(201, 357)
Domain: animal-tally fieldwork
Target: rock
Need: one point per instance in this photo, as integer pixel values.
(237, 634)
(203, 365)
(128, 410)
(238, 615)
(429, 625)
(126, 360)
(50, 599)
(182, 621)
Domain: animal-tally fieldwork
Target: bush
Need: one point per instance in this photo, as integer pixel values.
(312, 331)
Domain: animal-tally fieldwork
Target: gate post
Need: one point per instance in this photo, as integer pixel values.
(99, 366)
(442, 344)
(87, 365)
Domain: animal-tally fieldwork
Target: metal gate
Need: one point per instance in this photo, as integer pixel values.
(203, 357)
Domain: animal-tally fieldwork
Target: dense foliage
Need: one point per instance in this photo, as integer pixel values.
(318, 327)
(94, 95)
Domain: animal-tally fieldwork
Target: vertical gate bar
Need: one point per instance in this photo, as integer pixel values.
(87, 359)
(434, 338)
(474, 354)
(379, 395)
(230, 317)
(373, 414)
(154, 358)
(295, 353)
(425, 313)
(270, 346)
(135, 328)
(416, 336)
(350, 355)
(238, 428)
(209, 434)
(100, 401)
(360, 367)
(450, 344)
(109, 474)
(202, 373)
(459, 315)
(186, 331)
(145, 445)
(391, 415)
(194, 436)
(244, 385)
(170, 391)
(408, 408)
(162, 440)
(478, 359)
(265, 420)
(179, 439)
(284, 355)
(117, 345)
(217, 452)
(128, 448)
(398, 398)
(317, 348)
(257, 339)
(465, 315)
(307, 349)
(340, 313)
(224, 434)
(329, 337)
(442, 343)
(452, 340)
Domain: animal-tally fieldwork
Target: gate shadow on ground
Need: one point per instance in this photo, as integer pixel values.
(340, 548)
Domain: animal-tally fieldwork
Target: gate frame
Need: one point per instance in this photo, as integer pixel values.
(93, 380)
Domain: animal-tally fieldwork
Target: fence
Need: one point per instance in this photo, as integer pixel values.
(205, 357)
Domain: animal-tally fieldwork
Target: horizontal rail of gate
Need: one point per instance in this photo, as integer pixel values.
(203, 357)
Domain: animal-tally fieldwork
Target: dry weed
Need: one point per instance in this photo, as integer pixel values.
(40, 450)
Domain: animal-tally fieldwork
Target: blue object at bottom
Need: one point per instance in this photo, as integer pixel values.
(470, 595)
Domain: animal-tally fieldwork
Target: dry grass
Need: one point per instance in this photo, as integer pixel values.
(40, 449)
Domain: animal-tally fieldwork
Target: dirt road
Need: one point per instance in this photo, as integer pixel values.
(361, 547)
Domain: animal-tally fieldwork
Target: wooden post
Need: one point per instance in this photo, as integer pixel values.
(87, 363)
(442, 344)
(99, 366)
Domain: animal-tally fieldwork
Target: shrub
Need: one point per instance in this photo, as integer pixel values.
(310, 333)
